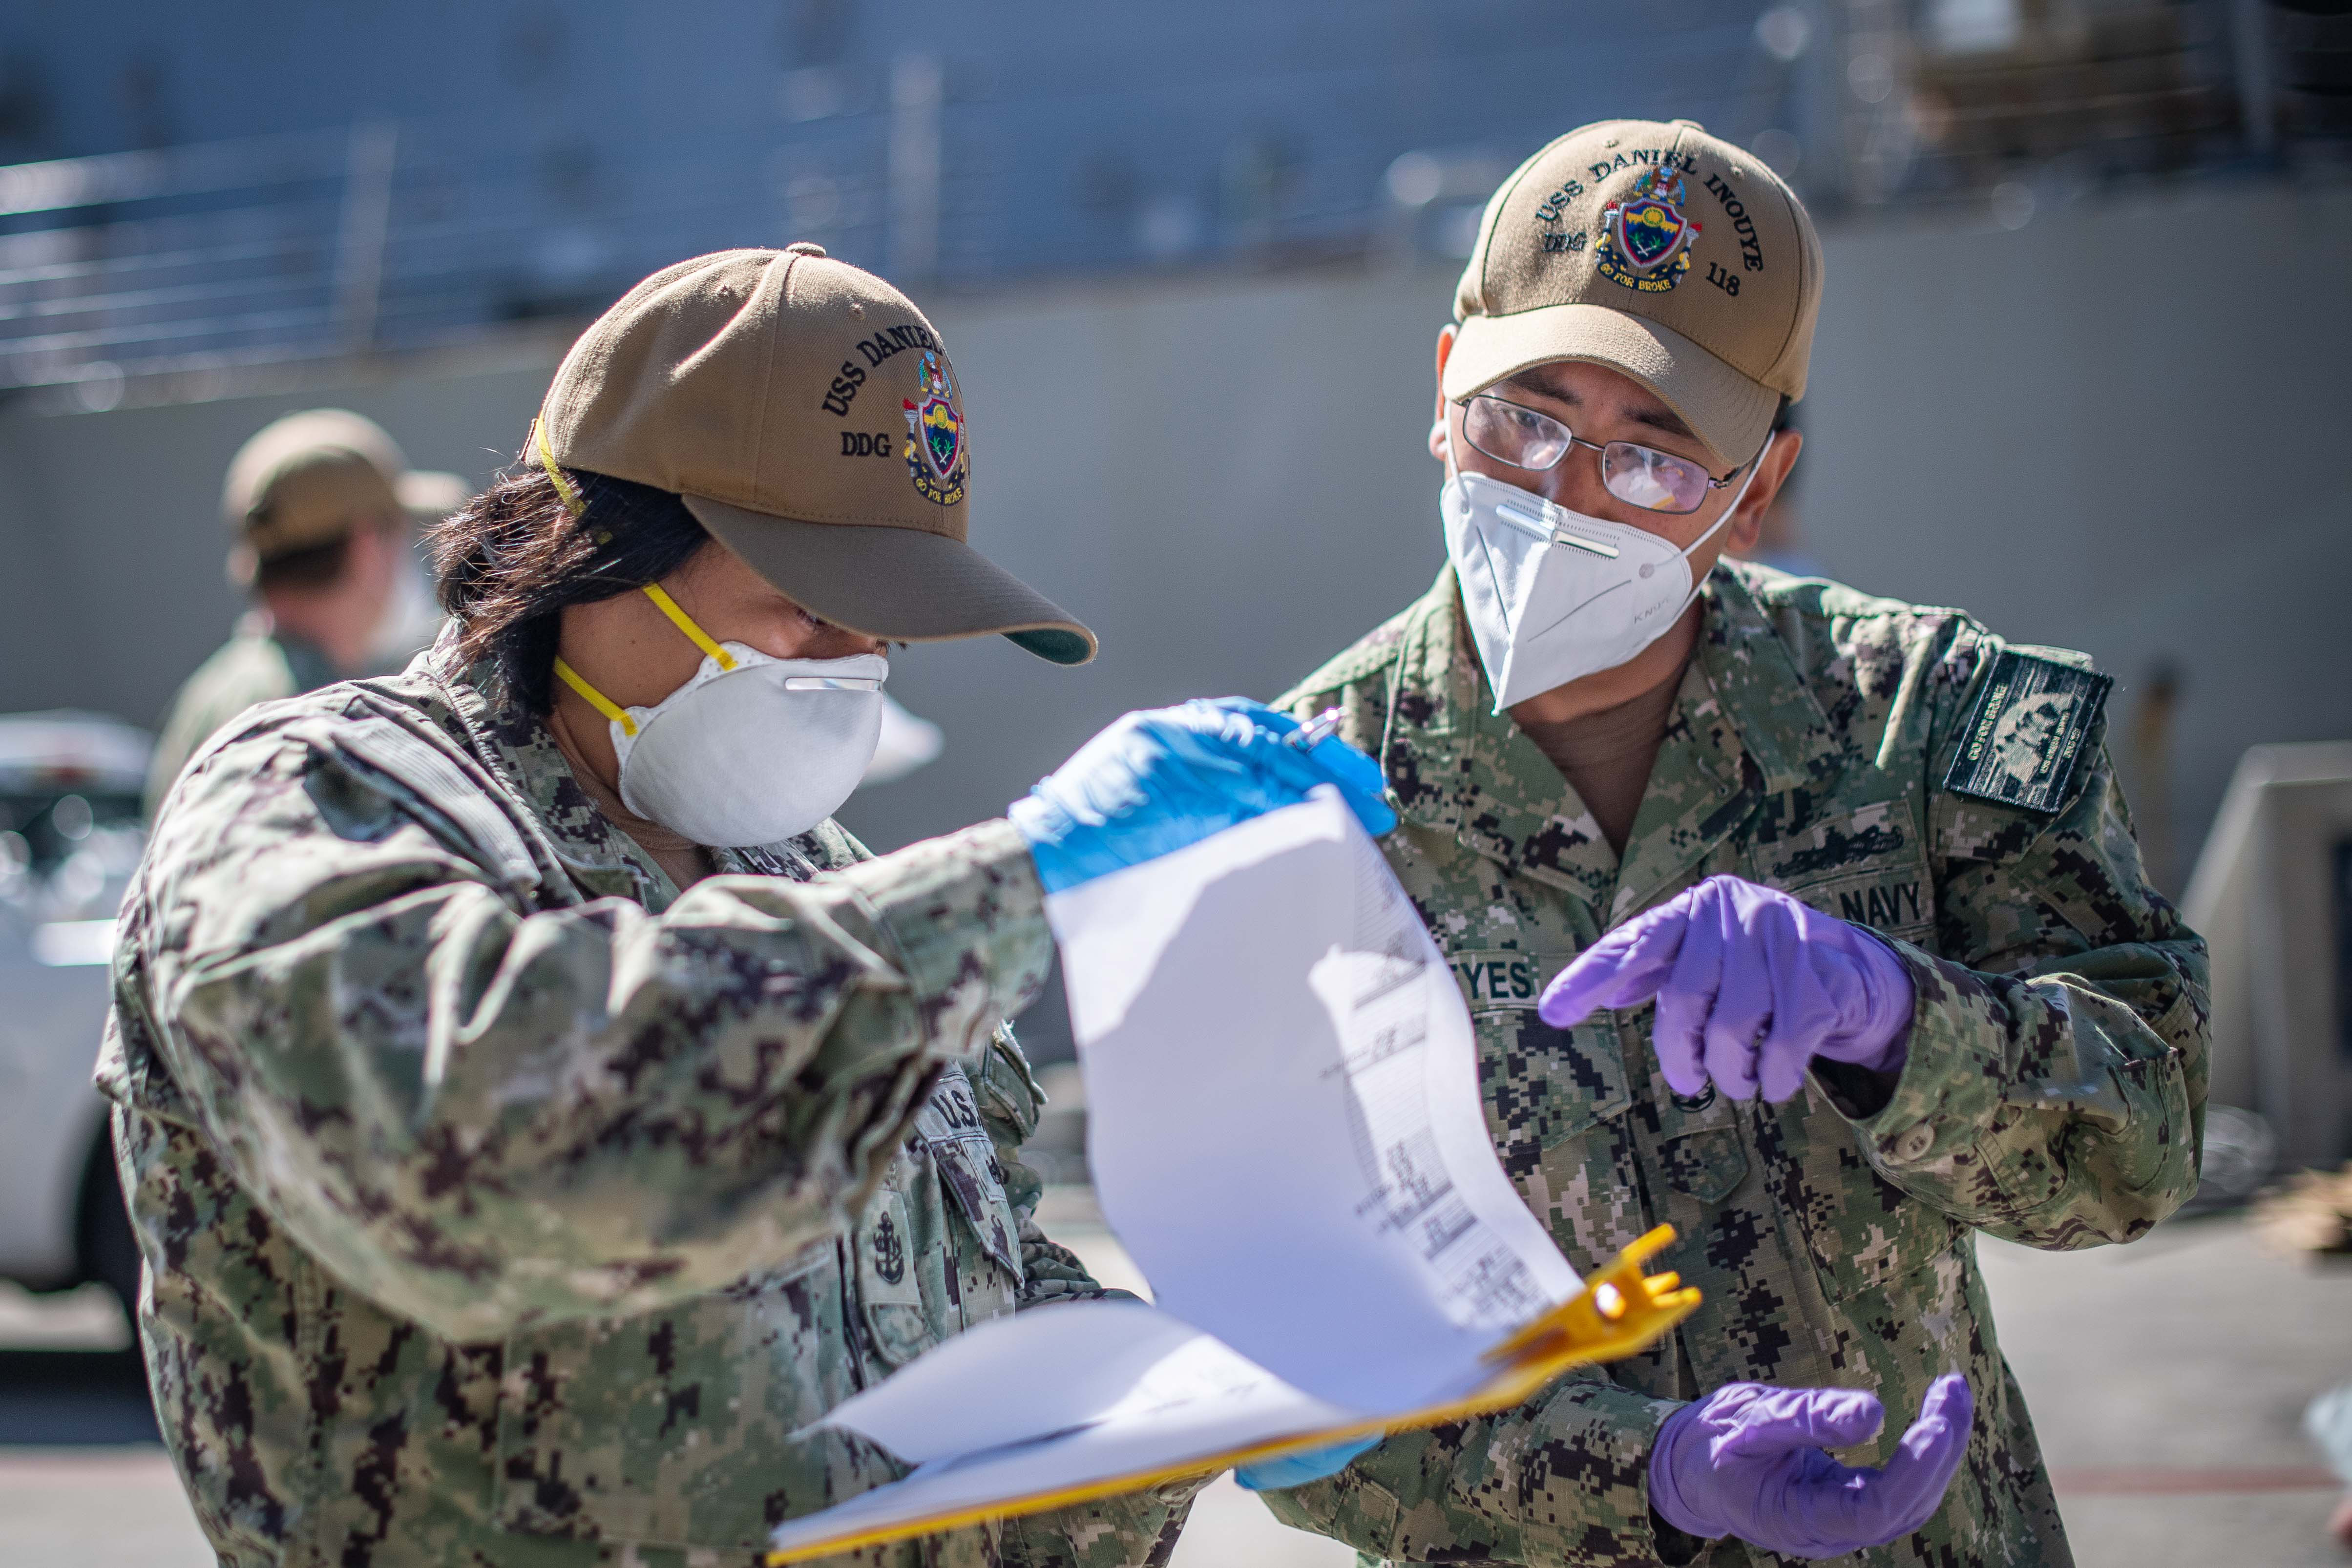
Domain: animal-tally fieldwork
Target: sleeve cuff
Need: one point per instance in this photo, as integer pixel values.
(1585, 1468)
(1950, 1083)
(965, 917)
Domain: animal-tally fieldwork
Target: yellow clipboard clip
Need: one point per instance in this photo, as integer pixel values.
(1621, 1310)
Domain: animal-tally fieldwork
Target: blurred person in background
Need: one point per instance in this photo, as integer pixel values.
(1809, 922)
(535, 1112)
(324, 509)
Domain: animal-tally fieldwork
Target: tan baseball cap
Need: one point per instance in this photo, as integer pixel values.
(301, 482)
(1659, 251)
(808, 415)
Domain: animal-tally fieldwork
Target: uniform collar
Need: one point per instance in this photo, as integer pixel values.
(1745, 726)
(602, 860)
(1779, 722)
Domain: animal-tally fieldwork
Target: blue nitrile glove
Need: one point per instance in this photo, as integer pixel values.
(1752, 986)
(1298, 1468)
(1747, 1461)
(1160, 779)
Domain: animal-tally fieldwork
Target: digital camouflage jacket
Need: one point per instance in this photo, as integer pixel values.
(503, 1205)
(1892, 765)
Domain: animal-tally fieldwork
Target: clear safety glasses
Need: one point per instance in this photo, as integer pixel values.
(1638, 475)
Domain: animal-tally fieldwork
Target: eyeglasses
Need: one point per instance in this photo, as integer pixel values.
(1638, 475)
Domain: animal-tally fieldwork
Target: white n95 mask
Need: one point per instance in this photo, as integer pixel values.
(751, 749)
(1552, 594)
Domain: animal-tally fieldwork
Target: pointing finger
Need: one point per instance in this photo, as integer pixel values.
(1622, 969)
(1685, 1001)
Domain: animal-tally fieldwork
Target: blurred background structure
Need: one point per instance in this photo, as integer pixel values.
(2081, 368)
(197, 192)
(1190, 264)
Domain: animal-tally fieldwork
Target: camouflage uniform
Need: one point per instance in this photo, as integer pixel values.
(502, 1205)
(2052, 1093)
(253, 666)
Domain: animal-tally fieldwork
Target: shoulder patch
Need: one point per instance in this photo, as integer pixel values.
(2025, 735)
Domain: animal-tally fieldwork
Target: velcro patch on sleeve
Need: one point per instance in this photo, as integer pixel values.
(2025, 738)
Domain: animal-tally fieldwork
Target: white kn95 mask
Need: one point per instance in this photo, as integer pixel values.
(1553, 595)
(751, 749)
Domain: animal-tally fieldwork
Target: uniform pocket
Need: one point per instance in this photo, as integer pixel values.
(1543, 1086)
(1708, 1165)
(1700, 1152)
(890, 1292)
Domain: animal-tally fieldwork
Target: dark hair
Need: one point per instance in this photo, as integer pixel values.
(514, 556)
(311, 568)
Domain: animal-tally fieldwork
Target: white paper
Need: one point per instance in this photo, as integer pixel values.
(1285, 1133)
(1108, 1361)
(1129, 1388)
(1283, 1111)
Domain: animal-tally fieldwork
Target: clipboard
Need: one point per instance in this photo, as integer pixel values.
(1622, 1311)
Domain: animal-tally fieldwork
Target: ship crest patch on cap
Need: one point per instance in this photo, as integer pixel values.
(1645, 240)
(935, 447)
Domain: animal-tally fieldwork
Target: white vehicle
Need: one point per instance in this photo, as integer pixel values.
(69, 837)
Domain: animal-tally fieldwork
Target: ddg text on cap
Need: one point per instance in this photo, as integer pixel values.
(809, 417)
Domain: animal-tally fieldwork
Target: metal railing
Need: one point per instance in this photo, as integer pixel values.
(145, 276)
(202, 260)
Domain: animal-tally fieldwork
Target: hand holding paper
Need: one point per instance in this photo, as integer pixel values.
(1285, 1132)
(1298, 1468)
(1157, 781)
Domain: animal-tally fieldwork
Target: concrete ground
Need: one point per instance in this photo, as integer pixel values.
(2167, 1380)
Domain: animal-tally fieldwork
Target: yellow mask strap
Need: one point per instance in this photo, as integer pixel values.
(595, 699)
(571, 501)
(684, 623)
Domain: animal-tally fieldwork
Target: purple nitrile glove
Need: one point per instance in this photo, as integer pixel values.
(1747, 1461)
(1752, 986)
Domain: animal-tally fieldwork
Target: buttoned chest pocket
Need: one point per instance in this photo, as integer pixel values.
(1556, 1103)
(1866, 867)
(1544, 1086)
(1699, 1148)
